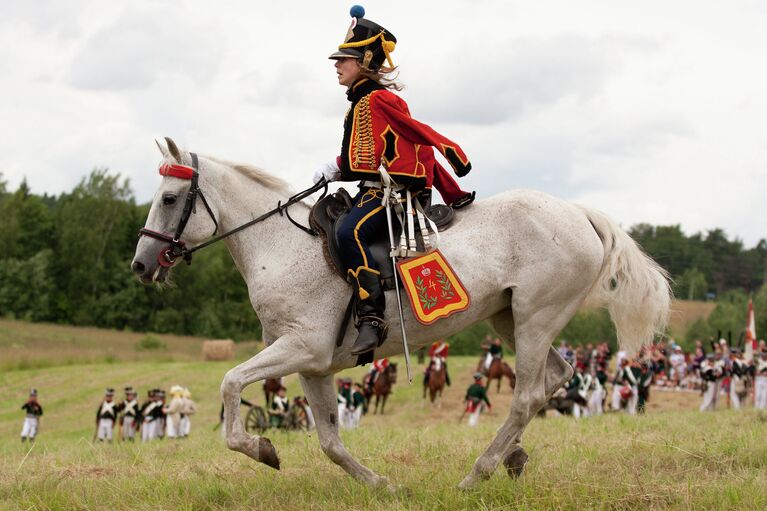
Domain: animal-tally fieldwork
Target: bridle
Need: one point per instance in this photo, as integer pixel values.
(177, 247)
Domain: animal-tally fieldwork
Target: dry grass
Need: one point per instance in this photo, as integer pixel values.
(672, 458)
(684, 313)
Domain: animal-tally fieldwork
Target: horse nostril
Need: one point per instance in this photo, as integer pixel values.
(138, 268)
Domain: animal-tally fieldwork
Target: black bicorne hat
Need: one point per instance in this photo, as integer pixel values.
(366, 41)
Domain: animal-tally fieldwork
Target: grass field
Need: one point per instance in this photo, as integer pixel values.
(674, 457)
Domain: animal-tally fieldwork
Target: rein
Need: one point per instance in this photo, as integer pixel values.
(177, 247)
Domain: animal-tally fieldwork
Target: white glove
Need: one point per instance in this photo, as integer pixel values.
(329, 171)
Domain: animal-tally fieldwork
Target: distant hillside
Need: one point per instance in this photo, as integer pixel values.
(686, 312)
(25, 345)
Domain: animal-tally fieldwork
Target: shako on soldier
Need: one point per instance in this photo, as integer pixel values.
(380, 133)
(106, 415)
(130, 417)
(33, 411)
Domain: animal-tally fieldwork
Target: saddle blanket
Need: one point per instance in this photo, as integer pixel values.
(431, 285)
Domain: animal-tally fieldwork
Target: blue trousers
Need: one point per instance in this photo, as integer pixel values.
(365, 223)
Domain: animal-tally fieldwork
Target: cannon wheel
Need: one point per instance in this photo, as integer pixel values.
(256, 420)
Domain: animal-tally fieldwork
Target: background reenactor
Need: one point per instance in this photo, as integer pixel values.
(188, 409)
(711, 371)
(130, 417)
(278, 412)
(438, 353)
(739, 378)
(643, 386)
(173, 411)
(106, 415)
(147, 416)
(476, 398)
(32, 419)
(760, 384)
(359, 406)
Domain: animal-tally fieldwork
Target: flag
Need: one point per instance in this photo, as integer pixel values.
(750, 343)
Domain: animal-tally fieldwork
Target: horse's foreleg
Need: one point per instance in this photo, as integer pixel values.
(533, 338)
(287, 355)
(322, 399)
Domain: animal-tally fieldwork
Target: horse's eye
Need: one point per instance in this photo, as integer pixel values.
(168, 199)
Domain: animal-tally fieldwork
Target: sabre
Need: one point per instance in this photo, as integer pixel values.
(387, 198)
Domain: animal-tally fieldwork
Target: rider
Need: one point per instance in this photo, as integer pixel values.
(379, 132)
(494, 350)
(378, 367)
(438, 350)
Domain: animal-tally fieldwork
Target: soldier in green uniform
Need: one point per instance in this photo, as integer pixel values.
(476, 395)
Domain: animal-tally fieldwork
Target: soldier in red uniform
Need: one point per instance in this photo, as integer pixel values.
(379, 131)
(438, 350)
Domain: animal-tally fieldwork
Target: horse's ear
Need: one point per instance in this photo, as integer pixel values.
(173, 148)
(163, 151)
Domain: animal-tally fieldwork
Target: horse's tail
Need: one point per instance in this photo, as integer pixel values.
(633, 287)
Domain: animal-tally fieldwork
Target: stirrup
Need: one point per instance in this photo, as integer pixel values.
(369, 344)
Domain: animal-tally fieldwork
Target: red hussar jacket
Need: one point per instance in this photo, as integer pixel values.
(378, 130)
(439, 349)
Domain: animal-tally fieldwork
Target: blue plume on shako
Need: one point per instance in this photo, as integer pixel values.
(357, 11)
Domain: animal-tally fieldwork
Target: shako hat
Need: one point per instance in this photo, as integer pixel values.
(109, 392)
(33, 392)
(478, 376)
(366, 41)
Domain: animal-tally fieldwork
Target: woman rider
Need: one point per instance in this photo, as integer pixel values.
(378, 131)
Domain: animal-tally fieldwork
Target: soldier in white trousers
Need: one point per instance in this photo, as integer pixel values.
(106, 416)
(129, 415)
(711, 371)
(760, 383)
(32, 418)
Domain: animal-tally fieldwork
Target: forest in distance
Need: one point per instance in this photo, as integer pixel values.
(66, 259)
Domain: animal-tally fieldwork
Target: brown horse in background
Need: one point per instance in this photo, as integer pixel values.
(437, 381)
(498, 369)
(382, 386)
(271, 386)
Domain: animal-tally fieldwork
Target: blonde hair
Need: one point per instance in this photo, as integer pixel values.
(384, 75)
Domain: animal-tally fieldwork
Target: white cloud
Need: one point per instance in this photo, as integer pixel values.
(650, 111)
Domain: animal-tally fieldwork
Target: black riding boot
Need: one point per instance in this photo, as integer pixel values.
(370, 308)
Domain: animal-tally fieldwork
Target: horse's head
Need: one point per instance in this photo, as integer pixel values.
(179, 217)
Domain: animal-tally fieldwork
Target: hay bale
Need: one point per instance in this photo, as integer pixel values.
(220, 349)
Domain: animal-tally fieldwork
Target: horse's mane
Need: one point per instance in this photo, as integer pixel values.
(258, 175)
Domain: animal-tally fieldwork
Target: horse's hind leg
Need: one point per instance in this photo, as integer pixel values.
(322, 399)
(533, 336)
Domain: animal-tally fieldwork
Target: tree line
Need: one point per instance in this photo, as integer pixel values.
(66, 259)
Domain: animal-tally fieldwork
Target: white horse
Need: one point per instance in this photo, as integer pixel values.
(528, 260)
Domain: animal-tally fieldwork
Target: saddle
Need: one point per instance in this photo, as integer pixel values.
(327, 215)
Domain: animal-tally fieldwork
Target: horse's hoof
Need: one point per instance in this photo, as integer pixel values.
(267, 454)
(469, 482)
(515, 462)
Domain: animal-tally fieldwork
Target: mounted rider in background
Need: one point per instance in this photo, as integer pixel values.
(379, 132)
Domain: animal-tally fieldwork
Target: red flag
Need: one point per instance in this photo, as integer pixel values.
(750, 343)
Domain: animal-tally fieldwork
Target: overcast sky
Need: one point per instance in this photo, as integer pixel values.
(652, 111)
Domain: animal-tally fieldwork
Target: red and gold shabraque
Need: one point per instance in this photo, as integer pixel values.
(432, 287)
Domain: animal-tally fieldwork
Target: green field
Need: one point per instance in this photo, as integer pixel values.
(673, 457)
